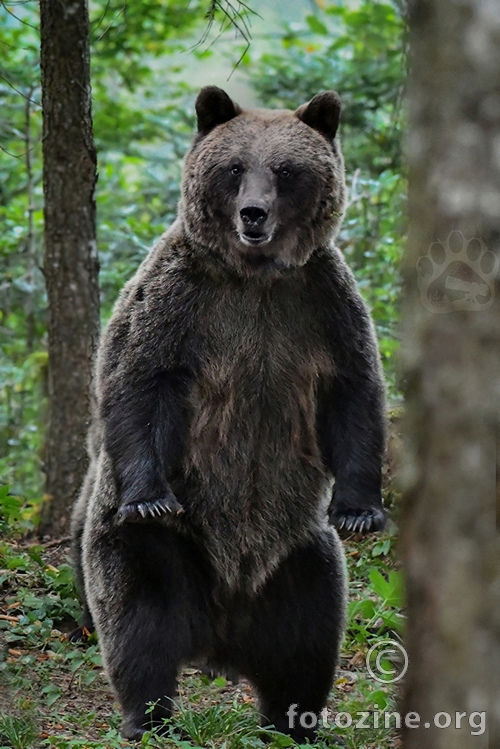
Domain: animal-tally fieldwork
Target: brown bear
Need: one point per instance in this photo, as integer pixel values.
(238, 377)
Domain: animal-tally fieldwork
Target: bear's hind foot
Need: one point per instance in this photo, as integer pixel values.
(80, 634)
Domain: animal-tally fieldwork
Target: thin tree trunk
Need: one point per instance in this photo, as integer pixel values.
(70, 259)
(451, 359)
(31, 249)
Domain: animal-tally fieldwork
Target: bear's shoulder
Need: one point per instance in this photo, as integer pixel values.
(165, 270)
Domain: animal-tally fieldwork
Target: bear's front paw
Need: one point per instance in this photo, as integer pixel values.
(144, 510)
(350, 513)
(358, 521)
(356, 511)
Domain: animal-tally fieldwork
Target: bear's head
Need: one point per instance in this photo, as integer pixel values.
(263, 189)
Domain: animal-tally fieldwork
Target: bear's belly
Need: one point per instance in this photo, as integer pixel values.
(257, 485)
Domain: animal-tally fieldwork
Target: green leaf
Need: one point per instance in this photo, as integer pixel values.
(316, 26)
(380, 699)
(380, 584)
(391, 590)
(381, 548)
(52, 693)
(89, 677)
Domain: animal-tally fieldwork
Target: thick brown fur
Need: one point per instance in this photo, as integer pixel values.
(238, 376)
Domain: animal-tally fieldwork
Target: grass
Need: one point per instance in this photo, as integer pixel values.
(54, 693)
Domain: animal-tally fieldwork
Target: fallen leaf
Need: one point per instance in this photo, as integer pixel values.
(358, 659)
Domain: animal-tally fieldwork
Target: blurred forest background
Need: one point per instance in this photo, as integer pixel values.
(148, 61)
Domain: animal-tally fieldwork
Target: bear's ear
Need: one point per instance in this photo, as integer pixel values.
(213, 107)
(322, 113)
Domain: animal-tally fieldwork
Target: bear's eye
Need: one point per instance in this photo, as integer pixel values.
(236, 170)
(285, 172)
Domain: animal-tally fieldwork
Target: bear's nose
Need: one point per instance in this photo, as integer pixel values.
(253, 215)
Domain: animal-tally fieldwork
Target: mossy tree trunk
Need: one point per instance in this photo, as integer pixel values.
(451, 362)
(70, 256)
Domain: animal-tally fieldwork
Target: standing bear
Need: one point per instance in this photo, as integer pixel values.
(238, 376)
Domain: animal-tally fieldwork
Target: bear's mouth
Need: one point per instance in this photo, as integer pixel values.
(254, 238)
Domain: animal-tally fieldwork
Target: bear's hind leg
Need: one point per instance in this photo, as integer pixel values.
(77, 526)
(148, 593)
(292, 641)
(143, 669)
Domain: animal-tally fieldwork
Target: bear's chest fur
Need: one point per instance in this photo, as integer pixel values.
(255, 390)
(252, 417)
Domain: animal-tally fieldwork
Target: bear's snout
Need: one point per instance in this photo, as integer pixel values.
(257, 196)
(255, 226)
(253, 215)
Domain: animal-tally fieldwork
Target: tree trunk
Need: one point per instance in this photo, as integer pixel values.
(70, 259)
(451, 362)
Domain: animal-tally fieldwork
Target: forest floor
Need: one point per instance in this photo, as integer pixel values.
(54, 693)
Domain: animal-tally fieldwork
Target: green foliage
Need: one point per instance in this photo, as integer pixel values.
(15, 514)
(138, 187)
(237, 724)
(22, 317)
(39, 596)
(372, 239)
(22, 409)
(360, 53)
(110, 740)
(16, 733)
(377, 612)
(129, 37)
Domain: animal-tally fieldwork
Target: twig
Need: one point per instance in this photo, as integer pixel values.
(95, 25)
(17, 17)
(50, 544)
(17, 90)
(119, 13)
(237, 16)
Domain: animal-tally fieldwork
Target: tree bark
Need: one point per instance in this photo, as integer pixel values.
(70, 254)
(451, 362)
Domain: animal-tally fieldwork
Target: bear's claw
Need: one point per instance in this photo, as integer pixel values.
(135, 512)
(358, 521)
